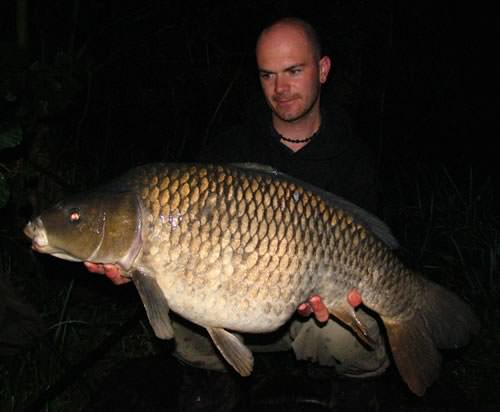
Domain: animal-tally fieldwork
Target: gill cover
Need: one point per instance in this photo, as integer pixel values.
(98, 227)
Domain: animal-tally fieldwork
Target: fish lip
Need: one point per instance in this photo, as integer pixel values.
(35, 230)
(38, 247)
(28, 230)
(49, 250)
(35, 246)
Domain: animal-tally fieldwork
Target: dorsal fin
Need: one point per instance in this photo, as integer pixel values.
(256, 167)
(376, 226)
(370, 221)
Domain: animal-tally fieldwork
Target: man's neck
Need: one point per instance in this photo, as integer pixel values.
(301, 130)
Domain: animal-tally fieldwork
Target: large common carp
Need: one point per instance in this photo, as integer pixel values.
(239, 247)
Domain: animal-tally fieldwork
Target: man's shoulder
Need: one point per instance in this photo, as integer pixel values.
(339, 134)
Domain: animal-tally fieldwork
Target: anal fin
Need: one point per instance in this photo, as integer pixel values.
(233, 350)
(155, 303)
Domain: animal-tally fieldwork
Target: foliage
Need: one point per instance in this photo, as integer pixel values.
(9, 137)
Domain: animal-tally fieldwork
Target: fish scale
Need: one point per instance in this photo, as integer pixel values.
(239, 247)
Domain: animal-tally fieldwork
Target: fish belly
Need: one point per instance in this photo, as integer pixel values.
(240, 306)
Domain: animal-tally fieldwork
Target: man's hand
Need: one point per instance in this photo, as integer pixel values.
(113, 272)
(316, 306)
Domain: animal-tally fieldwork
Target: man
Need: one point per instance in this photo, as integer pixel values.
(304, 140)
(313, 144)
(309, 142)
(299, 138)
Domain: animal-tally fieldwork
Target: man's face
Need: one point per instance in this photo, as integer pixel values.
(290, 74)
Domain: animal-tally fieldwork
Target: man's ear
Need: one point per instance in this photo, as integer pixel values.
(324, 68)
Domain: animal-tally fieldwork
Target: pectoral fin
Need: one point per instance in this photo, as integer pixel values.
(155, 303)
(347, 315)
(233, 350)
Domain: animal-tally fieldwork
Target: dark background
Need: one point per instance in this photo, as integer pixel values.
(97, 87)
(116, 83)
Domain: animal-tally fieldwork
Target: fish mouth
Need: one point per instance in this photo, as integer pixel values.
(35, 230)
(39, 247)
(37, 233)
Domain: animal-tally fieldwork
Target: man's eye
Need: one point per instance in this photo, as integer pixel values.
(295, 71)
(265, 76)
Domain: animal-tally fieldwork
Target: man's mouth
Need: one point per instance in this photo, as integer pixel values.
(283, 98)
(284, 102)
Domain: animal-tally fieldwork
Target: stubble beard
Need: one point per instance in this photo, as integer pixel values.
(295, 117)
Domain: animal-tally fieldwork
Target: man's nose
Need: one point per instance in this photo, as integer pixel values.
(280, 84)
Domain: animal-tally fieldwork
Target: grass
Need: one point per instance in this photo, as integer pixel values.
(79, 318)
(454, 230)
(449, 229)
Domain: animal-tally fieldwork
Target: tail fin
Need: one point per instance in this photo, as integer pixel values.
(442, 321)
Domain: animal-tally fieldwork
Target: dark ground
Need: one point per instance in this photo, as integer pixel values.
(279, 392)
(116, 364)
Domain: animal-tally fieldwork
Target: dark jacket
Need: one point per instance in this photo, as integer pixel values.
(334, 160)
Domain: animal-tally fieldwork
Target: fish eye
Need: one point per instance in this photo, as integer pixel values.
(74, 216)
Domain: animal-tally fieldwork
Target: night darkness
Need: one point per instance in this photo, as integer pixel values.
(91, 88)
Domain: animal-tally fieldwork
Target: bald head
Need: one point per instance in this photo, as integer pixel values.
(291, 26)
(292, 71)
